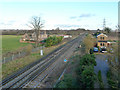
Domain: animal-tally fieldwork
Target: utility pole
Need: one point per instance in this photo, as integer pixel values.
(104, 23)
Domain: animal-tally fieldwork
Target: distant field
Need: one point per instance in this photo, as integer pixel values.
(11, 43)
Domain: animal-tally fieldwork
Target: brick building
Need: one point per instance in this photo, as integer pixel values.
(102, 40)
(32, 37)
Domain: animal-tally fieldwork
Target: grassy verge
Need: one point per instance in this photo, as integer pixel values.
(112, 83)
(69, 78)
(15, 65)
(100, 79)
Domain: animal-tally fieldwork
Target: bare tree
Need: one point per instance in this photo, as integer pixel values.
(89, 42)
(36, 24)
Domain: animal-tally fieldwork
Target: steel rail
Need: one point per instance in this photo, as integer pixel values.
(42, 63)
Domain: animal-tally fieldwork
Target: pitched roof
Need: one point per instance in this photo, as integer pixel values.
(102, 34)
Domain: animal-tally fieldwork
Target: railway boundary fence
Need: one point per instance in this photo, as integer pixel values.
(18, 55)
(24, 53)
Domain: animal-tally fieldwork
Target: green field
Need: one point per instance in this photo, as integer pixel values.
(11, 43)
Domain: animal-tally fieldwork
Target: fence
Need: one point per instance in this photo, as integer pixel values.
(22, 54)
(19, 55)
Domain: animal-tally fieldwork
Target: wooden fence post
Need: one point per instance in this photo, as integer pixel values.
(13, 57)
(19, 54)
(4, 60)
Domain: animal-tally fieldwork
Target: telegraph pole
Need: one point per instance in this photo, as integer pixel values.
(104, 23)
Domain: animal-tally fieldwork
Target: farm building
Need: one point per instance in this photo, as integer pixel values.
(102, 40)
(32, 37)
(66, 36)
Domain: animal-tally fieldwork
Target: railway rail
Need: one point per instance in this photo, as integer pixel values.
(30, 72)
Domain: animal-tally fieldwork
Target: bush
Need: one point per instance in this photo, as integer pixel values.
(50, 41)
(85, 71)
(99, 76)
(87, 77)
(27, 40)
(100, 79)
(112, 83)
(91, 51)
(67, 82)
(88, 59)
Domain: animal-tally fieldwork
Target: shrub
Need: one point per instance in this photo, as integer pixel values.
(112, 82)
(87, 77)
(88, 59)
(99, 76)
(85, 71)
(67, 82)
(50, 41)
(91, 51)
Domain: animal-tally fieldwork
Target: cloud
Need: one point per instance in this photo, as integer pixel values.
(11, 24)
(73, 17)
(2, 23)
(11, 21)
(8, 22)
(67, 26)
(86, 15)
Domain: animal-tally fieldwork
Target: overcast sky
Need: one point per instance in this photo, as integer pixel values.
(55, 13)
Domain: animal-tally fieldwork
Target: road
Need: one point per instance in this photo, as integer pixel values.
(102, 65)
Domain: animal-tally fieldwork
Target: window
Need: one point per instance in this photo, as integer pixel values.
(103, 38)
(100, 44)
(103, 44)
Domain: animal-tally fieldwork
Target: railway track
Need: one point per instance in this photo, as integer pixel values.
(41, 79)
(30, 72)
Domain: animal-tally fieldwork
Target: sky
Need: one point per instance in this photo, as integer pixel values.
(70, 14)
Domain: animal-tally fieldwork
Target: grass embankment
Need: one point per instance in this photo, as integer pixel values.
(100, 79)
(11, 43)
(13, 66)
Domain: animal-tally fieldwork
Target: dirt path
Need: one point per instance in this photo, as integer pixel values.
(102, 65)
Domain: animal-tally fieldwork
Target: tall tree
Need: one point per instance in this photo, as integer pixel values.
(36, 24)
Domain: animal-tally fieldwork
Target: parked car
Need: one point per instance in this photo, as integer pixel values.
(95, 49)
(103, 50)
